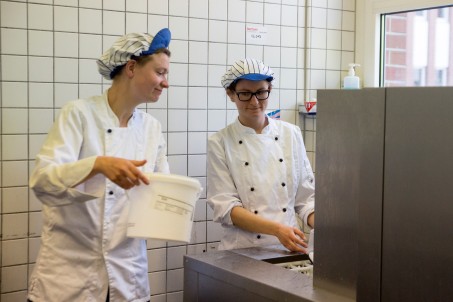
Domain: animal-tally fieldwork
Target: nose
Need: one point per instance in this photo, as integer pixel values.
(254, 99)
(165, 84)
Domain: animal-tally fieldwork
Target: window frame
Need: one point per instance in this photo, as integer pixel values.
(368, 32)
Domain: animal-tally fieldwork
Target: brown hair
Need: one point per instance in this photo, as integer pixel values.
(141, 60)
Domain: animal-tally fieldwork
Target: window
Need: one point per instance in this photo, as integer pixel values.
(416, 48)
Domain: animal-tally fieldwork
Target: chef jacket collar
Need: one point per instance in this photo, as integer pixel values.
(270, 129)
(113, 119)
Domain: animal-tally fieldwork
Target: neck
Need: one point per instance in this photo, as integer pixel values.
(118, 101)
(256, 124)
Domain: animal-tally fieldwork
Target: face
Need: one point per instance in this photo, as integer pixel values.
(253, 108)
(150, 78)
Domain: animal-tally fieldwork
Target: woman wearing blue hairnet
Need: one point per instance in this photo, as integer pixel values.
(259, 177)
(97, 149)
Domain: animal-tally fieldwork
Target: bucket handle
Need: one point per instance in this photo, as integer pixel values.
(199, 192)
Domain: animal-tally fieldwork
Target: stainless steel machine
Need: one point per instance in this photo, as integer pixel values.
(384, 199)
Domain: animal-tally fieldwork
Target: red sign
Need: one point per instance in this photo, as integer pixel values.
(309, 105)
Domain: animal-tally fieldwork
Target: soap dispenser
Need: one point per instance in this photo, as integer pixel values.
(351, 81)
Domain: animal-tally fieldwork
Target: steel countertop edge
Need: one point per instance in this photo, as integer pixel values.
(245, 269)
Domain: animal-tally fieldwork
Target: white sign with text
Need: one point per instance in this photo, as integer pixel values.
(256, 34)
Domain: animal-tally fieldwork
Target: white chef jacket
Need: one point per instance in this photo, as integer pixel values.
(268, 174)
(84, 248)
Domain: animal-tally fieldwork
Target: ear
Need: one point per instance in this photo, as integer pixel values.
(231, 94)
(130, 67)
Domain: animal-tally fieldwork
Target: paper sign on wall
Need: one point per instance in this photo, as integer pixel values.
(256, 34)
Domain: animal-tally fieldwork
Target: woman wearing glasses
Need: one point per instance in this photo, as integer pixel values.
(259, 176)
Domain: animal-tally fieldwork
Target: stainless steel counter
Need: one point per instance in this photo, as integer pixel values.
(246, 275)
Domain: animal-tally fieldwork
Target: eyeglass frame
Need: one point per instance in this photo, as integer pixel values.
(253, 94)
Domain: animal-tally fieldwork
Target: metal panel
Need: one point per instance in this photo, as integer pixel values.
(242, 275)
(191, 284)
(418, 200)
(212, 289)
(349, 178)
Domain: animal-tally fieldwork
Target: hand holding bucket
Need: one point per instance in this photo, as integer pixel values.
(164, 209)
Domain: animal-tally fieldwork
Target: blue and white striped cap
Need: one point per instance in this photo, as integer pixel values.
(248, 69)
(133, 44)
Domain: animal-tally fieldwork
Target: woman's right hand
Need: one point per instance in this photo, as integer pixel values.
(292, 238)
(123, 172)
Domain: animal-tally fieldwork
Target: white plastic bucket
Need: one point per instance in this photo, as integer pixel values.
(164, 209)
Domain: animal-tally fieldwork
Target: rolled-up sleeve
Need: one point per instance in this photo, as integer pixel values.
(58, 168)
(221, 190)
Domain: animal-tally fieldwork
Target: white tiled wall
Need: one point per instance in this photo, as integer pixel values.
(48, 52)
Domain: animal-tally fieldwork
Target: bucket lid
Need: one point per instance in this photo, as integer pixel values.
(173, 178)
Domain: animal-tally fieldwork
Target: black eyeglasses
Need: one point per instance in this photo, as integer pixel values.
(245, 96)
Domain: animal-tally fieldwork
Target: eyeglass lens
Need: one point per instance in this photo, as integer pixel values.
(246, 95)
